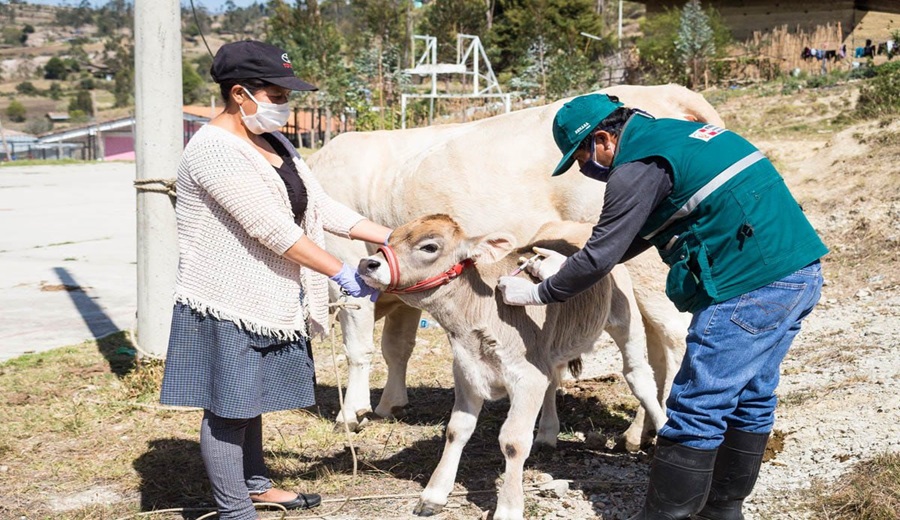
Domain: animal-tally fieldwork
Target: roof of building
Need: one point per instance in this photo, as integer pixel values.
(58, 116)
(102, 126)
(203, 111)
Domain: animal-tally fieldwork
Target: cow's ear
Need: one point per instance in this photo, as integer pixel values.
(490, 248)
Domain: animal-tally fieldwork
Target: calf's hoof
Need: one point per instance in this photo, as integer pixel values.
(628, 444)
(542, 446)
(394, 412)
(424, 508)
(356, 424)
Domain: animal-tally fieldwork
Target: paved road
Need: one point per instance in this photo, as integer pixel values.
(65, 226)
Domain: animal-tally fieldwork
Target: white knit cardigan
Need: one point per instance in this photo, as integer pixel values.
(235, 223)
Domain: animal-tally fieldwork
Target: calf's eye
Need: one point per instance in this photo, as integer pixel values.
(429, 248)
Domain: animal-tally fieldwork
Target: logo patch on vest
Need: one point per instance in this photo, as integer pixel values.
(707, 132)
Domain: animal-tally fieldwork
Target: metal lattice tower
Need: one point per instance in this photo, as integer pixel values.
(471, 60)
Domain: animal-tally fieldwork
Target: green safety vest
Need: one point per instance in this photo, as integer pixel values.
(730, 224)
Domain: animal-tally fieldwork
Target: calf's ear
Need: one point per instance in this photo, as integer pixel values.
(492, 247)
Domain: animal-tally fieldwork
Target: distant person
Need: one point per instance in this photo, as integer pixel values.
(252, 277)
(742, 259)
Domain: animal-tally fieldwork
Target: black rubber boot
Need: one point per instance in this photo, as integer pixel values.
(737, 466)
(679, 482)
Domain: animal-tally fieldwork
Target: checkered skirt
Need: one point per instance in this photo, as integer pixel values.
(215, 365)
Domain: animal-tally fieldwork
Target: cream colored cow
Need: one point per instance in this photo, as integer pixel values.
(489, 175)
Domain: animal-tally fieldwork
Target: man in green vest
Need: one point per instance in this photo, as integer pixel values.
(743, 260)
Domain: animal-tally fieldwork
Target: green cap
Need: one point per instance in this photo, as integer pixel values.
(575, 121)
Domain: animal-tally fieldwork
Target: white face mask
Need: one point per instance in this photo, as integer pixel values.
(269, 117)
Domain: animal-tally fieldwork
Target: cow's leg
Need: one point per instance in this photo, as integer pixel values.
(666, 331)
(548, 425)
(626, 327)
(397, 342)
(466, 407)
(526, 393)
(357, 327)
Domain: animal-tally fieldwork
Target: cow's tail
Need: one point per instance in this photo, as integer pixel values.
(575, 367)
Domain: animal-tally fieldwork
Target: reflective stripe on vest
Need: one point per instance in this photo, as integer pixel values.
(711, 186)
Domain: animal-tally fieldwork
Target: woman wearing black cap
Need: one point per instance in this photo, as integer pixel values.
(252, 284)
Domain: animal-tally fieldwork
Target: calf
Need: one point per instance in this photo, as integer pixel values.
(498, 350)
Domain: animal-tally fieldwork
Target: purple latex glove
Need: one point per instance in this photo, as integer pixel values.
(353, 285)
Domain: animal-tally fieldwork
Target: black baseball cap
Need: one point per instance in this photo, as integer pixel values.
(251, 59)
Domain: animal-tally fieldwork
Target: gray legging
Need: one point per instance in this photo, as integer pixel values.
(233, 456)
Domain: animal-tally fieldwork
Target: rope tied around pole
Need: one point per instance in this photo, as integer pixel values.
(160, 185)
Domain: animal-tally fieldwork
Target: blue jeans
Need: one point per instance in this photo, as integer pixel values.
(732, 363)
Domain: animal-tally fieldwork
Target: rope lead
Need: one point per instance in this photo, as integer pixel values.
(166, 186)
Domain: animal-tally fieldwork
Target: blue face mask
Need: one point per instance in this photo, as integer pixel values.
(592, 169)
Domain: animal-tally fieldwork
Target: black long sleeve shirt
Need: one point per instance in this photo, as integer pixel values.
(632, 192)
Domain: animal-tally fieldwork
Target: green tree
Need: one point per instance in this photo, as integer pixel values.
(531, 35)
(376, 84)
(695, 42)
(202, 64)
(238, 19)
(446, 19)
(16, 111)
(314, 46)
(119, 52)
(532, 78)
(113, 17)
(385, 20)
(192, 86)
(55, 68)
(75, 16)
(196, 20)
(81, 103)
(76, 56)
(659, 58)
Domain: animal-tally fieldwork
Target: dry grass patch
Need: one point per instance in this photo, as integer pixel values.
(868, 492)
(86, 439)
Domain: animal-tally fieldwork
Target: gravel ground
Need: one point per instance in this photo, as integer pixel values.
(838, 407)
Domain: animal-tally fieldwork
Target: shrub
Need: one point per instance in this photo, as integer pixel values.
(862, 73)
(81, 103)
(27, 88)
(55, 91)
(13, 36)
(16, 111)
(880, 96)
(38, 126)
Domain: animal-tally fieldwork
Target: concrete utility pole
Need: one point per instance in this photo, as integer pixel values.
(159, 141)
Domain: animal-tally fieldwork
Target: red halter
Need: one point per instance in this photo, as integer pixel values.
(424, 285)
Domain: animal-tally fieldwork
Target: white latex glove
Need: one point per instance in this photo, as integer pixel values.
(518, 291)
(548, 265)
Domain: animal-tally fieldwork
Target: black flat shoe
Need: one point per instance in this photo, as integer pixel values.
(303, 501)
